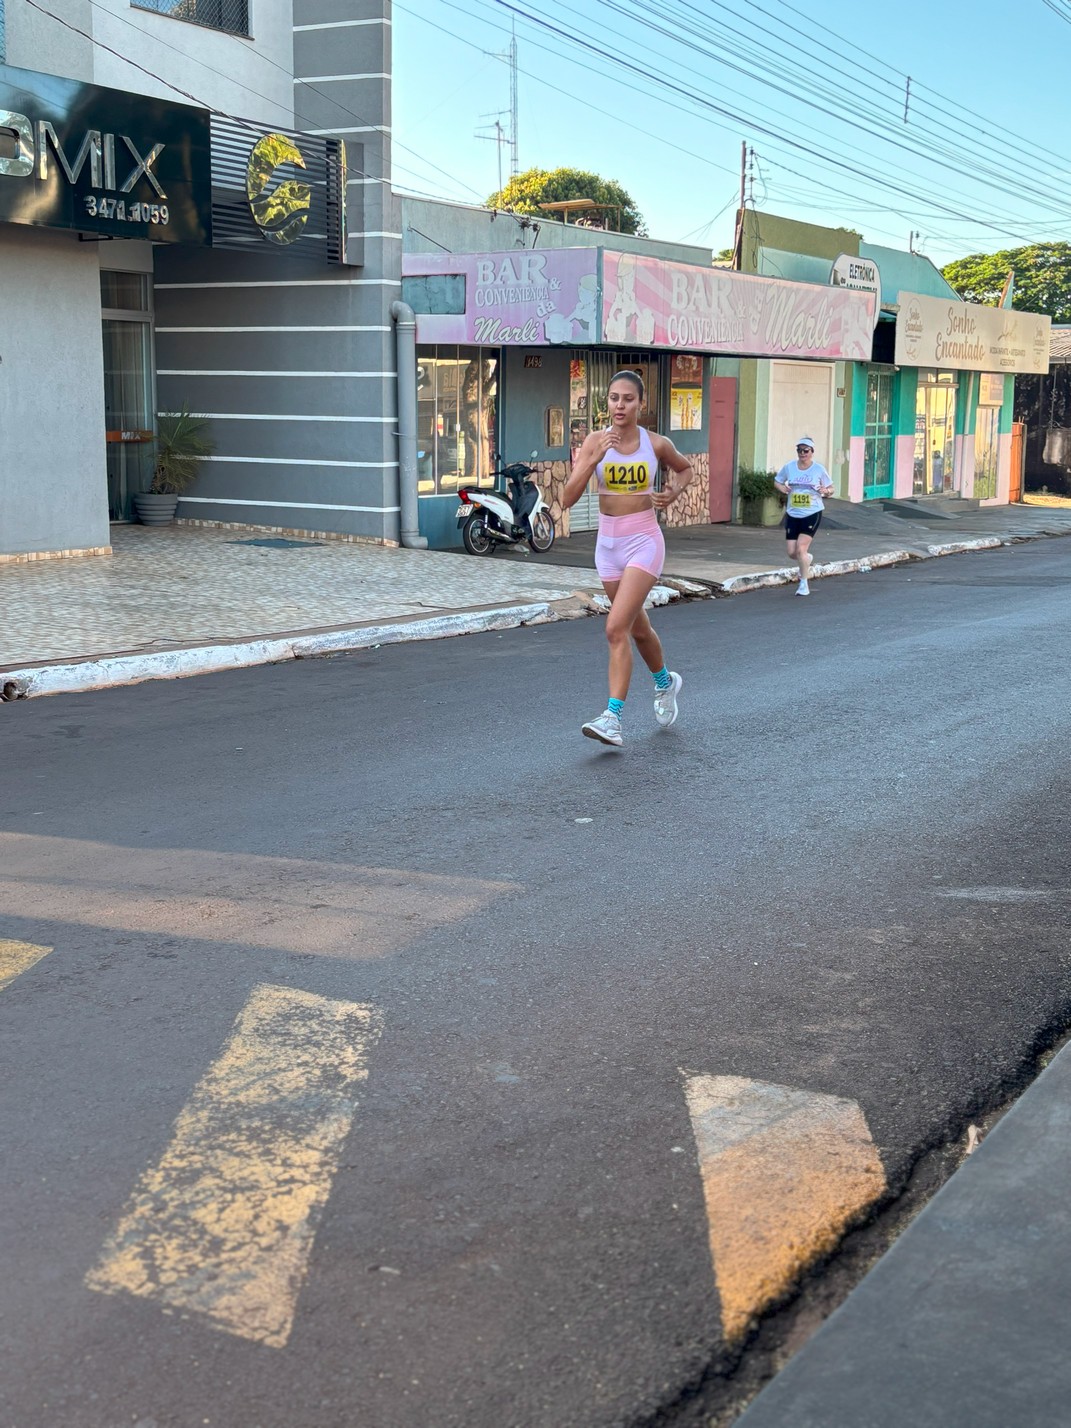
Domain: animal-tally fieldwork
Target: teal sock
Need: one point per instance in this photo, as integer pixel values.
(662, 679)
(616, 706)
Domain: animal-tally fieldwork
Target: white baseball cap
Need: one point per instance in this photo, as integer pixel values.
(806, 441)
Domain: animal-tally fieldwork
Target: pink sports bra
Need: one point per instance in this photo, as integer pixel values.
(631, 475)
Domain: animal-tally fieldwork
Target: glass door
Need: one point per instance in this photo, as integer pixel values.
(878, 436)
(128, 387)
(986, 452)
(935, 434)
(589, 384)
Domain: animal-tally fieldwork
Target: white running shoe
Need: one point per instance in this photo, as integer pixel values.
(606, 728)
(665, 701)
(804, 588)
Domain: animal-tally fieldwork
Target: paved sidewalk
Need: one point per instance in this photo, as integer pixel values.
(964, 1321)
(180, 585)
(184, 600)
(730, 559)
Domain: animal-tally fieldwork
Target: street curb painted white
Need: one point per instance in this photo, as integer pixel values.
(736, 584)
(105, 673)
(660, 595)
(761, 579)
(36, 680)
(956, 547)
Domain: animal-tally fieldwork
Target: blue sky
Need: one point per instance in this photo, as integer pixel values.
(816, 87)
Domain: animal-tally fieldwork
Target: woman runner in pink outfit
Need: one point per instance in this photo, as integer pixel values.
(630, 551)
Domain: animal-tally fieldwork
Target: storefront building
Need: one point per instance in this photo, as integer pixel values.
(517, 348)
(160, 255)
(930, 412)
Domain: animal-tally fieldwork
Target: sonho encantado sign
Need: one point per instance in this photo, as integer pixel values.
(102, 161)
(969, 337)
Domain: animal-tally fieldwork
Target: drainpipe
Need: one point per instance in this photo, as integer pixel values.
(405, 324)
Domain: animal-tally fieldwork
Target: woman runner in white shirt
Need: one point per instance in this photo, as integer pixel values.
(804, 481)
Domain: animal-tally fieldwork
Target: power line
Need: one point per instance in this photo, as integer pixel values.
(185, 94)
(618, 61)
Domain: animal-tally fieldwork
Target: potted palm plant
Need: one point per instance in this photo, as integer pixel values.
(760, 501)
(181, 446)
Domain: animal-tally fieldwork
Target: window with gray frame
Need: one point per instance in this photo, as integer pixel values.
(229, 15)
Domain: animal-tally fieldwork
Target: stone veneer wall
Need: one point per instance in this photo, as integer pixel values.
(551, 478)
(690, 509)
(693, 507)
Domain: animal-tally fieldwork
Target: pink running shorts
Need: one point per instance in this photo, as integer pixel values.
(629, 540)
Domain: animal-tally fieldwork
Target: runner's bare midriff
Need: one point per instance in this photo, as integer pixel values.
(617, 505)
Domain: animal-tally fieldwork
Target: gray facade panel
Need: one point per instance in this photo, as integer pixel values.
(358, 523)
(299, 396)
(300, 483)
(341, 106)
(279, 456)
(322, 12)
(326, 306)
(290, 351)
(349, 49)
(298, 441)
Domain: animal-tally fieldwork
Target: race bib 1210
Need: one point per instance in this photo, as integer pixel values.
(627, 476)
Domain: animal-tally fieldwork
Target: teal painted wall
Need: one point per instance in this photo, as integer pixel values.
(904, 416)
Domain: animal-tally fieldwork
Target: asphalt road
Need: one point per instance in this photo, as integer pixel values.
(844, 871)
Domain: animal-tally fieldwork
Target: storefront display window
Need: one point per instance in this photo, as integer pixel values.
(878, 435)
(128, 395)
(935, 433)
(578, 404)
(685, 393)
(602, 366)
(456, 393)
(987, 435)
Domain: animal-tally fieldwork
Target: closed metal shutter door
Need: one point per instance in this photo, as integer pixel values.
(585, 514)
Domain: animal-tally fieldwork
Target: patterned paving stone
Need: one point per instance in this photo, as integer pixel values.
(179, 586)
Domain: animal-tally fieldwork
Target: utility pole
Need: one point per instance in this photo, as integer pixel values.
(743, 173)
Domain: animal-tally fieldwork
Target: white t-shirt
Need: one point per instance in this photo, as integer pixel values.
(803, 486)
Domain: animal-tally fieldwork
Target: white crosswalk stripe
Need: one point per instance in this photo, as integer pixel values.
(223, 1224)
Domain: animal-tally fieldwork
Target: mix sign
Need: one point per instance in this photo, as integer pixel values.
(102, 161)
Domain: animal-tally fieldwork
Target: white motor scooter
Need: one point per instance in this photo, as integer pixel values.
(492, 518)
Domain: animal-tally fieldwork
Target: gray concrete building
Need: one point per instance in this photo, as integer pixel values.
(148, 268)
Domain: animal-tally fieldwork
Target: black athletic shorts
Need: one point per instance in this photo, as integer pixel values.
(795, 526)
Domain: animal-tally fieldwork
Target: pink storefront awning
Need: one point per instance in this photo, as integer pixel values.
(588, 296)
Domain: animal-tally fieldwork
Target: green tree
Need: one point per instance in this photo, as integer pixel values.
(527, 191)
(1042, 278)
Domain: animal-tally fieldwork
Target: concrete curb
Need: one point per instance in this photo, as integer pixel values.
(760, 579)
(83, 675)
(36, 680)
(957, 547)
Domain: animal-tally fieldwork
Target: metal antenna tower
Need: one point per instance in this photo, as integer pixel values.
(498, 138)
(510, 56)
(514, 107)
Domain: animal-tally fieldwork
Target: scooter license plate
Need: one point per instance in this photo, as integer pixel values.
(464, 510)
